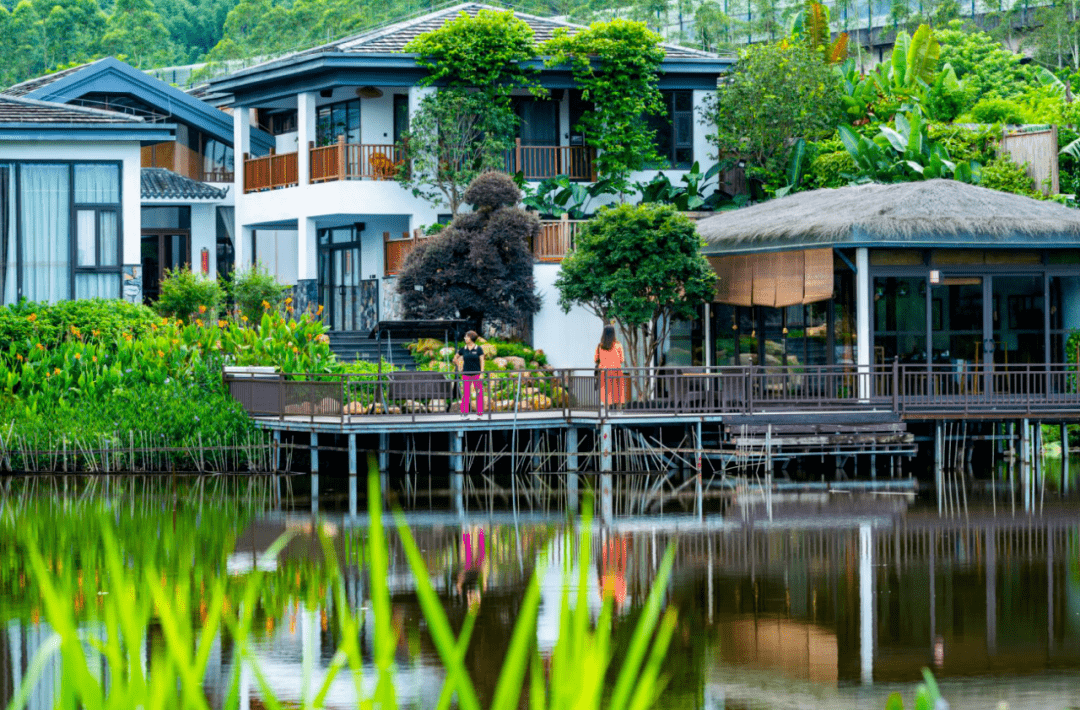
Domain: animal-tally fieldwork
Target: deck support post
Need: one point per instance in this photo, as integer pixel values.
(873, 467)
(699, 502)
(991, 591)
(457, 478)
(1064, 459)
(1025, 463)
(277, 450)
(572, 469)
(384, 463)
(606, 509)
(1037, 461)
(352, 476)
(939, 474)
(314, 472)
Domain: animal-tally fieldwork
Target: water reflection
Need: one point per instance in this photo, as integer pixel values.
(818, 611)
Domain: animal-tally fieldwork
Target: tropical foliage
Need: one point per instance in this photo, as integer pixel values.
(641, 266)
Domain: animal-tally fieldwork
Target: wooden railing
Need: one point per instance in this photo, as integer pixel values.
(556, 238)
(183, 161)
(352, 161)
(396, 251)
(536, 162)
(270, 172)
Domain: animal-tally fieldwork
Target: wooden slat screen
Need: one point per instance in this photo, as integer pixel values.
(775, 279)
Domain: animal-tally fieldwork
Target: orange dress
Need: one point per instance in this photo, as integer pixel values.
(612, 383)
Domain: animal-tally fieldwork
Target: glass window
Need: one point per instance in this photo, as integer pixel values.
(9, 275)
(341, 119)
(166, 217)
(674, 129)
(44, 212)
(86, 238)
(97, 184)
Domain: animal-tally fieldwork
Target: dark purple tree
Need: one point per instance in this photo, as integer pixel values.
(479, 268)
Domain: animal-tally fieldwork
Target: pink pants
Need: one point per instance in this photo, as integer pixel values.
(468, 381)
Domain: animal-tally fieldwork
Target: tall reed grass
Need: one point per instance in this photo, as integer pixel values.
(104, 664)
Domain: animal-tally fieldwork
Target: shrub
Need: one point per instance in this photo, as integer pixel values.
(185, 295)
(1004, 175)
(254, 289)
(993, 110)
(96, 319)
(828, 169)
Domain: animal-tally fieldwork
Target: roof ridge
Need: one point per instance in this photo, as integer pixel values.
(70, 107)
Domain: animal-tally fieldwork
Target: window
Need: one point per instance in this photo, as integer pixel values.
(217, 161)
(278, 123)
(97, 231)
(341, 119)
(675, 130)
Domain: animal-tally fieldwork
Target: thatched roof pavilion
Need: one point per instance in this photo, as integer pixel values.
(941, 213)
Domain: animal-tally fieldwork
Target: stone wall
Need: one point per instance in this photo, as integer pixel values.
(132, 286)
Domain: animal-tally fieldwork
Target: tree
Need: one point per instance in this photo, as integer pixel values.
(135, 30)
(465, 129)
(642, 266)
(454, 137)
(985, 67)
(777, 94)
(480, 267)
(617, 65)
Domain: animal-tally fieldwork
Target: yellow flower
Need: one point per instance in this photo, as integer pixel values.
(56, 371)
(32, 317)
(288, 300)
(319, 312)
(243, 318)
(221, 324)
(96, 333)
(175, 341)
(40, 346)
(295, 349)
(94, 358)
(160, 354)
(265, 304)
(202, 309)
(78, 356)
(19, 357)
(198, 322)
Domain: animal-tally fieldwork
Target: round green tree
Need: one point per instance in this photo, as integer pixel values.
(642, 266)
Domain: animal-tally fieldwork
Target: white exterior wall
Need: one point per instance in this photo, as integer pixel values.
(568, 339)
(130, 177)
(275, 250)
(204, 236)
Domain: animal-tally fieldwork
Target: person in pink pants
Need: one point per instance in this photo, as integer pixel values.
(470, 362)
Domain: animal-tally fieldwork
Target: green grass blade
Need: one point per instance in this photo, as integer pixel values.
(650, 614)
(385, 639)
(508, 688)
(34, 671)
(450, 685)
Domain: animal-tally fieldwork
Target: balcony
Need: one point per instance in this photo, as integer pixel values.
(355, 161)
(183, 161)
(270, 172)
(537, 162)
(556, 239)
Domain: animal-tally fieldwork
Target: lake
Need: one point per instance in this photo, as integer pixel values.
(835, 602)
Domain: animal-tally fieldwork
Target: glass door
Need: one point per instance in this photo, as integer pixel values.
(339, 286)
(1018, 340)
(162, 251)
(960, 334)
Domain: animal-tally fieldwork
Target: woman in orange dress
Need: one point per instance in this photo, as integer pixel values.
(609, 362)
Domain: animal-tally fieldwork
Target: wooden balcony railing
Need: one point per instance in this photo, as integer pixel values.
(537, 162)
(270, 172)
(556, 238)
(353, 161)
(183, 161)
(395, 251)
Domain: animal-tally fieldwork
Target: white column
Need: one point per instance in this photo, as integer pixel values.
(564, 119)
(863, 304)
(241, 148)
(866, 603)
(305, 135)
(305, 248)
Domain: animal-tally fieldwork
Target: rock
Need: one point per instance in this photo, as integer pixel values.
(500, 363)
(539, 402)
(534, 365)
(437, 405)
(393, 409)
(356, 408)
(446, 352)
(514, 362)
(411, 405)
(424, 344)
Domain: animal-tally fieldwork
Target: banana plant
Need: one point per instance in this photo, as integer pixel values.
(811, 25)
(904, 153)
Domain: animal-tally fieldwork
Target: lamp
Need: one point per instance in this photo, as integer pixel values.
(369, 92)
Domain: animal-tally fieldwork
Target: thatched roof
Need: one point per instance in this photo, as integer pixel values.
(914, 214)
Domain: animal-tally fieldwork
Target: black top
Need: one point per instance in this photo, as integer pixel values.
(470, 364)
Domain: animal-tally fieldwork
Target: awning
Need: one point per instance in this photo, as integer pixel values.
(775, 279)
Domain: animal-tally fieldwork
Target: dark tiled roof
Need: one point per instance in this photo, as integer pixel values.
(162, 184)
(14, 109)
(393, 38)
(29, 85)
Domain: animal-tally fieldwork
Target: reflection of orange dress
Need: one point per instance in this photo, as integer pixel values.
(612, 383)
